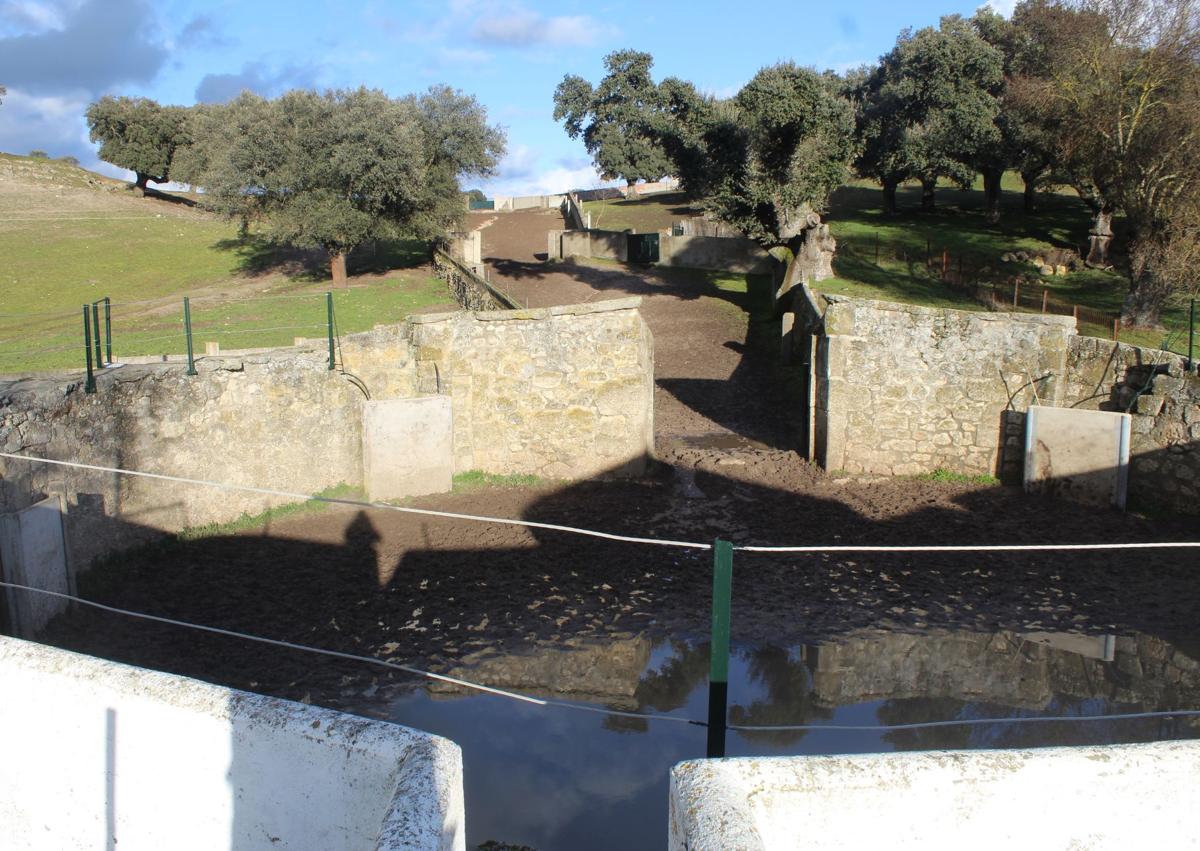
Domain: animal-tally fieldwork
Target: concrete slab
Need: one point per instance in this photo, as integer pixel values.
(1085, 799)
(1078, 455)
(408, 447)
(33, 552)
(101, 755)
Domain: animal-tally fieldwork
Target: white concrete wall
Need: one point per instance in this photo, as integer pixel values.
(33, 552)
(94, 754)
(1083, 799)
(408, 447)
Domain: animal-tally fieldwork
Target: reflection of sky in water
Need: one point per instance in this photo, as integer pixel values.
(553, 778)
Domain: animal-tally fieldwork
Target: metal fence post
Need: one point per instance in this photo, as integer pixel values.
(187, 326)
(329, 325)
(718, 667)
(108, 330)
(96, 332)
(89, 386)
(1191, 335)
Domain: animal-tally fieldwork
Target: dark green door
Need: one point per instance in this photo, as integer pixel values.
(643, 248)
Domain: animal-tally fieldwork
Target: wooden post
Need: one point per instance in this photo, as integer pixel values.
(945, 261)
(928, 252)
(1116, 330)
(1075, 313)
(1045, 297)
(1016, 291)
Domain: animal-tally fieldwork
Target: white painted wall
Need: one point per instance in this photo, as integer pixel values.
(94, 754)
(408, 447)
(1082, 799)
(33, 552)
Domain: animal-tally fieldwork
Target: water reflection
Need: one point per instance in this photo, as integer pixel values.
(552, 778)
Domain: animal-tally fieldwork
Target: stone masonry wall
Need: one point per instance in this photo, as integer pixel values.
(282, 421)
(1164, 400)
(565, 392)
(902, 389)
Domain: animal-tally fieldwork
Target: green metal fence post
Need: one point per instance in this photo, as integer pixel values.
(89, 386)
(329, 324)
(718, 665)
(187, 326)
(1191, 335)
(96, 332)
(108, 330)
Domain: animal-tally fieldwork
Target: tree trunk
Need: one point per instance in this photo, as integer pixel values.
(928, 187)
(139, 187)
(1100, 237)
(1030, 198)
(337, 266)
(1142, 308)
(889, 197)
(991, 193)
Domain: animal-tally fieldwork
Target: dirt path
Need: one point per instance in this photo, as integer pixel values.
(713, 390)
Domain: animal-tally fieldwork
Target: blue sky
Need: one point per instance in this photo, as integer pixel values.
(56, 56)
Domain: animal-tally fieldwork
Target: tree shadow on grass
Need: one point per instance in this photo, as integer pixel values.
(260, 255)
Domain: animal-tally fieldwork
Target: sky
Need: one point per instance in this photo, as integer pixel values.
(57, 56)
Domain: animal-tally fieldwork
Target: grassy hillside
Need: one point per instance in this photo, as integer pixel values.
(70, 237)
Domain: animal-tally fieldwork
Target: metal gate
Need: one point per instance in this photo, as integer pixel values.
(643, 248)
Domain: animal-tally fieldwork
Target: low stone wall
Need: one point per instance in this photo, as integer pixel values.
(469, 290)
(941, 800)
(1164, 401)
(151, 760)
(902, 389)
(563, 392)
(726, 254)
(282, 420)
(721, 253)
(509, 203)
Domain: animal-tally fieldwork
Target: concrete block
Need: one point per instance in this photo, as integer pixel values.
(1079, 455)
(408, 447)
(1096, 798)
(33, 552)
(102, 755)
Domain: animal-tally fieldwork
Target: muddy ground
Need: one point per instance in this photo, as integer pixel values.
(430, 591)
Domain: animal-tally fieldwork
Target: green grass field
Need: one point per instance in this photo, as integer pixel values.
(899, 258)
(70, 238)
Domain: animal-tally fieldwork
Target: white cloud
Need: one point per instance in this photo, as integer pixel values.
(50, 123)
(516, 26)
(1001, 7)
(546, 181)
(31, 16)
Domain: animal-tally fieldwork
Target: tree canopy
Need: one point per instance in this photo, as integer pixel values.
(334, 170)
(614, 117)
(774, 153)
(929, 109)
(138, 134)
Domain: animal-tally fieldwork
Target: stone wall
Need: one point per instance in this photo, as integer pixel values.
(728, 254)
(902, 389)
(469, 290)
(1164, 400)
(563, 392)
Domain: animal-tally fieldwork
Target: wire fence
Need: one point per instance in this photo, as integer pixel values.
(1006, 284)
(717, 721)
(106, 333)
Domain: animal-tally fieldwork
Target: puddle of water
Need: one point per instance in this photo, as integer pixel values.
(718, 440)
(554, 778)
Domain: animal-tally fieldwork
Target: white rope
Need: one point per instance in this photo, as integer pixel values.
(965, 722)
(972, 548)
(362, 503)
(512, 695)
